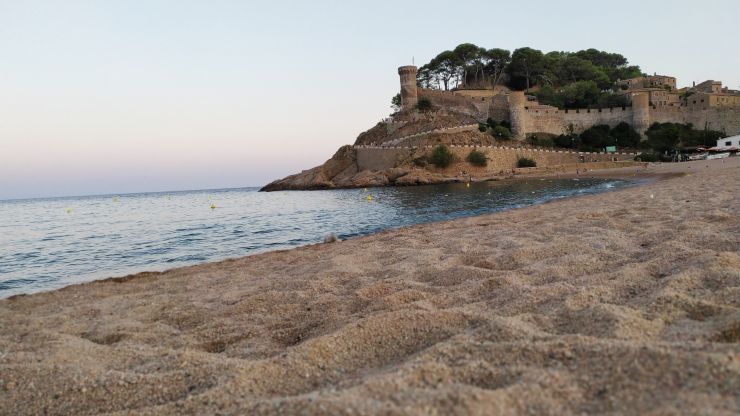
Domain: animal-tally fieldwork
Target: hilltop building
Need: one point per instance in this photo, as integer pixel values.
(660, 89)
(653, 99)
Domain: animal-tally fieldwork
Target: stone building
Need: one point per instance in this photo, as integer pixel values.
(660, 89)
(711, 94)
(653, 99)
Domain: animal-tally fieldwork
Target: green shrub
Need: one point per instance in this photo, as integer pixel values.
(646, 157)
(424, 104)
(477, 158)
(570, 141)
(420, 161)
(596, 137)
(441, 156)
(491, 123)
(534, 140)
(501, 132)
(482, 127)
(525, 162)
(505, 124)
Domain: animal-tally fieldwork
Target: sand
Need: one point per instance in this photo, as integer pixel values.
(620, 303)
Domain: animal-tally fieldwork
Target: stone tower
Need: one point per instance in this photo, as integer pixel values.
(517, 114)
(641, 113)
(408, 86)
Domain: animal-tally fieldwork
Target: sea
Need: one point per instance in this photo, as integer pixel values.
(49, 243)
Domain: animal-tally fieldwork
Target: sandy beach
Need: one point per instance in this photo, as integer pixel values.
(626, 302)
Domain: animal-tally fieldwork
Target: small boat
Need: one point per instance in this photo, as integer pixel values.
(718, 156)
(698, 156)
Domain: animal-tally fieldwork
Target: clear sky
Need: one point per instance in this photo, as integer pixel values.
(128, 96)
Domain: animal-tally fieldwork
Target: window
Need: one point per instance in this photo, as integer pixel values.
(728, 143)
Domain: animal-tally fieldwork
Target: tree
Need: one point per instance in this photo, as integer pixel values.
(426, 78)
(396, 102)
(580, 94)
(573, 69)
(610, 100)
(596, 137)
(468, 55)
(445, 67)
(624, 135)
(663, 137)
(496, 63)
(526, 65)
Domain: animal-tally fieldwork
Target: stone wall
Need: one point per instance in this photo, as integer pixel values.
(467, 105)
(555, 121)
(376, 158)
(530, 117)
(505, 158)
(499, 157)
(721, 119)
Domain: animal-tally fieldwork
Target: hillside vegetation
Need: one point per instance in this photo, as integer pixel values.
(564, 79)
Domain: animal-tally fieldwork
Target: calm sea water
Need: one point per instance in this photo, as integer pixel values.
(50, 243)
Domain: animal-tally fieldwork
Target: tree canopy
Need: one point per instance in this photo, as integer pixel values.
(565, 79)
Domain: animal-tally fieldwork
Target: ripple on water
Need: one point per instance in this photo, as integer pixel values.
(42, 246)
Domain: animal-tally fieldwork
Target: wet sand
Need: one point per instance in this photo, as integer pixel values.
(626, 303)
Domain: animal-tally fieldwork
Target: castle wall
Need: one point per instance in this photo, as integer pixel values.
(499, 157)
(721, 119)
(555, 121)
(479, 108)
(505, 158)
(374, 158)
(545, 119)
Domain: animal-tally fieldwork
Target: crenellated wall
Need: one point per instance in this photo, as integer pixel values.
(527, 117)
(531, 117)
(499, 157)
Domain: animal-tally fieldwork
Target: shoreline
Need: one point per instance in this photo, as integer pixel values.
(615, 173)
(622, 301)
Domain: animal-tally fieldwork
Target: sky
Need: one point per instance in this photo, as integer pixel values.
(112, 97)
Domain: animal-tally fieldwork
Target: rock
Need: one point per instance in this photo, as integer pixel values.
(395, 173)
(368, 178)
(340, 168)
(416, 177)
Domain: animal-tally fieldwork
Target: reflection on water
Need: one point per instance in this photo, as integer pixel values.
(50, 243)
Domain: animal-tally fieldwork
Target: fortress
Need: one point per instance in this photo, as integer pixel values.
(395, 151)
(654, 99)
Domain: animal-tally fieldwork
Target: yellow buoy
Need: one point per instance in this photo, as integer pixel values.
(69, 210)
(369, 197)
(468, 184)
(213, 206)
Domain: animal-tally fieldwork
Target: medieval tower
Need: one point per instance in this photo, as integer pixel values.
(518, 114)
(641, 112)
(408, 86)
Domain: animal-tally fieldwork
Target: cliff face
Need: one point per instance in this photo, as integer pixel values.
(341, 172)
(340, 168)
